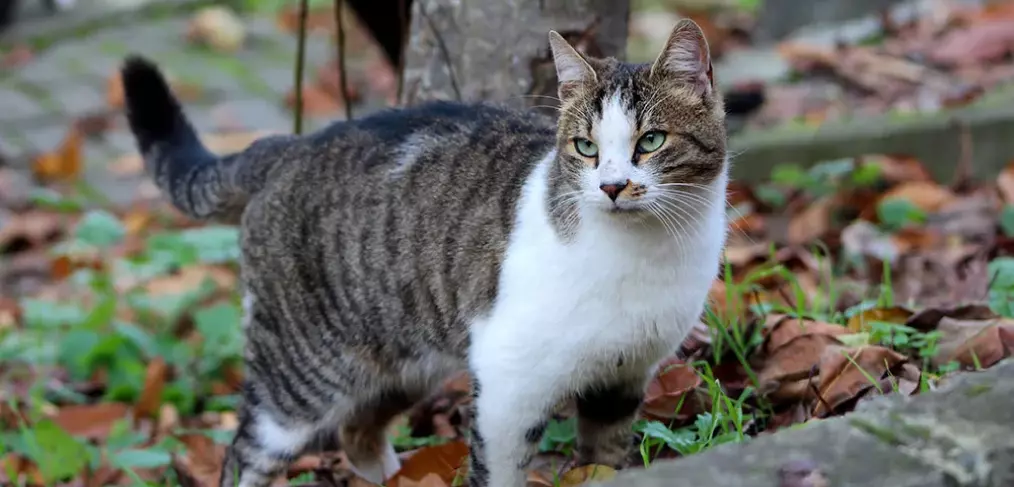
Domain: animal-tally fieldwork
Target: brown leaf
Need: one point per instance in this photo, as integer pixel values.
(97, 123)
(666, 394)
(812, 223)
(23, 468)
(150, 401)
(978, 43)
(928, 319)
(972, 335)
(92, 421)
(1005, 182)
(861, 322)
(781, 329)
(797, 413)
(33, 228)
(928, 196)
(10, 313)
(202, 462)
(430, 480)
(587, 473)
(329, 80)
(443, 460)
(17, 56)
(991, 345)
(316, 101)
(795, 359)
(897, 168)
(64, 163)
(846, 374)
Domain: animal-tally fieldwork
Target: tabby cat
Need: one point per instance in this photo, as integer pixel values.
(554, 259)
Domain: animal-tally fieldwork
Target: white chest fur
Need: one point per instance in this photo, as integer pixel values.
(611, 303)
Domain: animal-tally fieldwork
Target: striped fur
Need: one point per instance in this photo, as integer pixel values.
(381, 255)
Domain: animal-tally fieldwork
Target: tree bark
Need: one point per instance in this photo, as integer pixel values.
(470, 50)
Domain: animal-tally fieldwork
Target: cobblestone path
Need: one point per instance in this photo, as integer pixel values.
(69, 79)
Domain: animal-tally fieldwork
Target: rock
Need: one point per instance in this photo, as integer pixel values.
(961, 434)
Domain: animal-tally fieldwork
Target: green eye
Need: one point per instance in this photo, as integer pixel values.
(650, 142)
(586, 147)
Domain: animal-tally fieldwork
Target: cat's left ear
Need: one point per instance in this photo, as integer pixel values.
(571, 68)
(686, 57)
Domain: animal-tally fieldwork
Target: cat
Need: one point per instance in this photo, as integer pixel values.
(554, 259)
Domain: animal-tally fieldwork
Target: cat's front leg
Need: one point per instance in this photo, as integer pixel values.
(510, 409)
(605, 413)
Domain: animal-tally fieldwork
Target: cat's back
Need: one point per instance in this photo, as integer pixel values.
(412, 208)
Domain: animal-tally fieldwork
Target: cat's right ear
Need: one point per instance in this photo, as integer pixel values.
(571, 68)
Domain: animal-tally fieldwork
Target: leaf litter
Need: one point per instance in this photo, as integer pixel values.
(120, 345)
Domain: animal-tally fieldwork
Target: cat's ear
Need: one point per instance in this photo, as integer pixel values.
(571, 68)
(686, 57)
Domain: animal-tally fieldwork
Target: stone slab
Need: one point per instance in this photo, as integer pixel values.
(960, 435)
(937, 139)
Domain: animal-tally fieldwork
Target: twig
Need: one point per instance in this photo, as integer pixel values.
(339, 27)
(304, 10)
(446, 53)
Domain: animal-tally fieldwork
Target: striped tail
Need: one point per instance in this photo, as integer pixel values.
(199, 183)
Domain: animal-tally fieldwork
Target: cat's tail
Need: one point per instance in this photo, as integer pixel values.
(199, 183)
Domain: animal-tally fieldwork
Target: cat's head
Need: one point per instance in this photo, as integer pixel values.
(634, 138)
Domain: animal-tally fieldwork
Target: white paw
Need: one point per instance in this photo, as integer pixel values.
(378, 472)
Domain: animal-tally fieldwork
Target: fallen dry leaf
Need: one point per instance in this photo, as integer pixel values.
(666, 396)
(444, 460)
(812, 223)
(17, 56)
(148, 404)
(92, 421)
(63, 163)
(846, 374)
(430, 480)
(201, 464)
(976, 44)
(1005, 183)
(860, 322)
(587, 473)
(780, 329)
(795, 360)
(928, 196)
(317, 101)
(30, 229)
(972, 335)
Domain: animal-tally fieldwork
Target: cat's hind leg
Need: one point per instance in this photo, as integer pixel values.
(363, 434)
(266, 442)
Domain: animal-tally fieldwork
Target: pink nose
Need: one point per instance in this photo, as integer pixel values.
(613, 190)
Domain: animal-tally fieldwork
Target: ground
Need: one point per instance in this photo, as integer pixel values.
(119, 318)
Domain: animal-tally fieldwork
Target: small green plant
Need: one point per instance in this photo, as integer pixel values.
(898, 213)
(560, 436)
(1007, 220)
(404, 440)
(1001, 286)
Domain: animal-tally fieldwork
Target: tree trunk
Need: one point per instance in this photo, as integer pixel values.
(498, 50)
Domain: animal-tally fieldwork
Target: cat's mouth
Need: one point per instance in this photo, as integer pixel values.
(624, 208)
(621, 209)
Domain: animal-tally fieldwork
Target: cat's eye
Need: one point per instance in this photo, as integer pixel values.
(586, 147)
(650, 142)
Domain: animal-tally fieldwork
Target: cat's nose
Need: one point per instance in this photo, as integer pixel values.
(613, 190)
